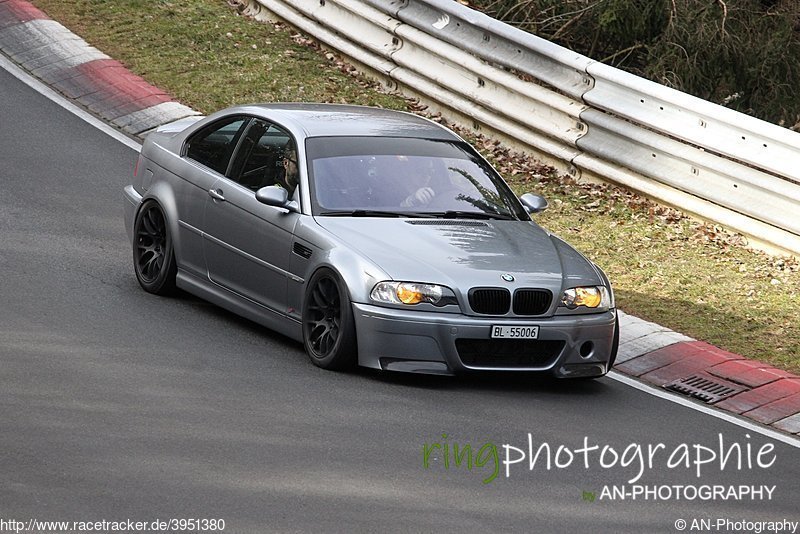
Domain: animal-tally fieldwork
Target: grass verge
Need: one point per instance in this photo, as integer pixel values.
(694, 278)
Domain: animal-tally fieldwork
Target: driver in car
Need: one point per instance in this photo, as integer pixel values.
(421, 179)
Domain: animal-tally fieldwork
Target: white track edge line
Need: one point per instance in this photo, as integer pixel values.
(47, 92)
(708, 410)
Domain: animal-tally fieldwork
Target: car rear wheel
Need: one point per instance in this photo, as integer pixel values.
(153, 255)
(329, 332)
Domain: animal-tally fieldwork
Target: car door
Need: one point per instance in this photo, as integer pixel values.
(206, 157)
(247, 244)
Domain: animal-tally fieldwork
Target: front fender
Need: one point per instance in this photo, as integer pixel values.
(358, 273)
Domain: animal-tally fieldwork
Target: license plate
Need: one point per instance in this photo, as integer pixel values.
(515, 332)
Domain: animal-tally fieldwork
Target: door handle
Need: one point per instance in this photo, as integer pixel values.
(216, 194)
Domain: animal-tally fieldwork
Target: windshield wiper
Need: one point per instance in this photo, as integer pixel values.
(456, 214)
(367, 213)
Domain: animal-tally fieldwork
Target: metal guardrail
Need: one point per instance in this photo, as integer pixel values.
(593, 119)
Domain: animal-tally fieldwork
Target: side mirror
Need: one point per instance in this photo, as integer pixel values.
(533, 203)
(275, 195)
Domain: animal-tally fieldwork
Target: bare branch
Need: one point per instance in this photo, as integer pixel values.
(673, 14)
(621, 52)
(724, 15)
(566, 25)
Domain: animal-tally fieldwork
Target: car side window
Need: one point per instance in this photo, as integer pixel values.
(267, 156)
(213, 146)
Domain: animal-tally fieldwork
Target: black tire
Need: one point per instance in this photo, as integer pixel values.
(329, 333)
(153, 254)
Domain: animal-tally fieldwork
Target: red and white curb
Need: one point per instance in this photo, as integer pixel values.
(648, 352)
(656, 355)
(66, 63)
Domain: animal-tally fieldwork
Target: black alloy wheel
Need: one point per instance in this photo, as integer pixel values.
(328, 326)
(153, 255)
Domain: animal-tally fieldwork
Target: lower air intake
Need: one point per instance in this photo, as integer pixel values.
(509, 353)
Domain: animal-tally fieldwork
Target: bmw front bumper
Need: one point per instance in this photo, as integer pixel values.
(447, 343)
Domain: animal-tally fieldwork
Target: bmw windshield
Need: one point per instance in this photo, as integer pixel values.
(405, 177)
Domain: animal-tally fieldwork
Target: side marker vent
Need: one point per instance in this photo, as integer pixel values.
(301, 250)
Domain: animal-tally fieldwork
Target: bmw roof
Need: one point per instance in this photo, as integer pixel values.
(323, 120)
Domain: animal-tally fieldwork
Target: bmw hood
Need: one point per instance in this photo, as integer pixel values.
(465, 253)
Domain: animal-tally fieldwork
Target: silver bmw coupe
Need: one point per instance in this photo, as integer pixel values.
(373, 237)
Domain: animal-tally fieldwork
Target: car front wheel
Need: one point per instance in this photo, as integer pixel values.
(328, 327)
(153, 255)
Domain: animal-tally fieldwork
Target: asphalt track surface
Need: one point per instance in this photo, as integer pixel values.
(116, 405)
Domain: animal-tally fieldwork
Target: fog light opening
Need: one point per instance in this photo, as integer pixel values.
(586, 349)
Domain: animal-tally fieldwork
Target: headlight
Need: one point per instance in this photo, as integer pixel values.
(411, 293)
(593, 297)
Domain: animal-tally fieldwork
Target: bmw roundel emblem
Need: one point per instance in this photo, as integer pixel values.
(507, 278)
